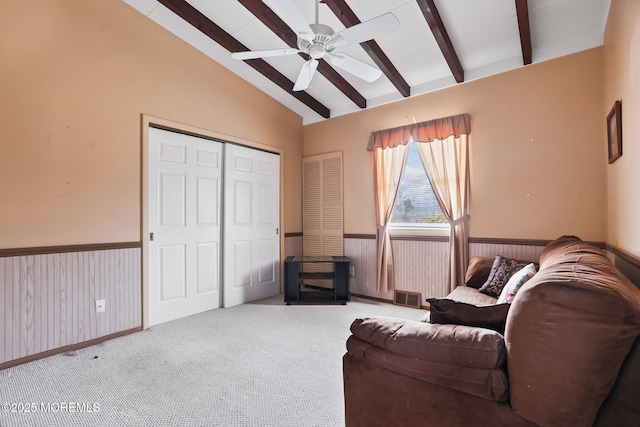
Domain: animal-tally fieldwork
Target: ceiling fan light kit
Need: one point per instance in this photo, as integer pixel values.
(320, 41)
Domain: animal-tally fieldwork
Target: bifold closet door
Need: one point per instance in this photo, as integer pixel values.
(185, 174)
(251, 225)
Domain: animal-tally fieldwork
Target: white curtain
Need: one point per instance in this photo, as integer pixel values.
(446, 161)
(389, 159)
(443, 145)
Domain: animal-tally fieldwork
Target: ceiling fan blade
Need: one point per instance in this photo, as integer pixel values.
(356, 67)
(306, 74)
(383, 24)
(289, 13)
(253, 54)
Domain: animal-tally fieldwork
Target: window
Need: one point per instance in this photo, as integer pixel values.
(416, 206)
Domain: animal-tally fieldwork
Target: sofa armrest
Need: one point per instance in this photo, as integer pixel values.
(464, 358)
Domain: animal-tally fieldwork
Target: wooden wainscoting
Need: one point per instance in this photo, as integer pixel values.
(422, 263)
(421, 266)
(526, 250)
(362, 256)
(48, 300)
(626, 262)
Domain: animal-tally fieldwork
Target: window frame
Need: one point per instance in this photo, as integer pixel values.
(417, 229)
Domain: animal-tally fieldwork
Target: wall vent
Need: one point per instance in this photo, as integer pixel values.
(406, 298)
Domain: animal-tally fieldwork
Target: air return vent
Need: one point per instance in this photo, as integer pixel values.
(406, 298)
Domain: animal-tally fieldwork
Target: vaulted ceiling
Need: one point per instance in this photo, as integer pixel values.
(439, 43)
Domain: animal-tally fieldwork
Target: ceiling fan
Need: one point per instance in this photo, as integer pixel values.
(319, 41)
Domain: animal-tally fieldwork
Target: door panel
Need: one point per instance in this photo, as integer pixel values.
(184, 216)
(169, 152)
(252, 210)
(242, 196)
(172, 199)
(241, 257)
(266, 270)
(208, 201)
(172, 277)
(265, 201)
(207, 269)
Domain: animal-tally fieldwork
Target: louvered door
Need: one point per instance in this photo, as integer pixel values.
(322, 219)
(332, 227)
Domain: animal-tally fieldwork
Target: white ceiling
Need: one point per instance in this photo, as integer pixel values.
(484, 34)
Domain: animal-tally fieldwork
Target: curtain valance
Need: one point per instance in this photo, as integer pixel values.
(423, 131)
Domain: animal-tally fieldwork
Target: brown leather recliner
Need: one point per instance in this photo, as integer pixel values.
(570, 356)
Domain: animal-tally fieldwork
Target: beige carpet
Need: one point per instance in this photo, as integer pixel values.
(258, 364)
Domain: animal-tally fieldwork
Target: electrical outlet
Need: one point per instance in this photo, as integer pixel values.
(352, 271)
(99, 306)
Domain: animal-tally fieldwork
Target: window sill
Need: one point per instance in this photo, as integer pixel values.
(436, 230)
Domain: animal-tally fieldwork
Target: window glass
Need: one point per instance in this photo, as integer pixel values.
(416, 204)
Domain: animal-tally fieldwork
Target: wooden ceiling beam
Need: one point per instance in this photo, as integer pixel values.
(278, 26)
(439, 31)
(349, 19)
(522, 11)
(217, 34)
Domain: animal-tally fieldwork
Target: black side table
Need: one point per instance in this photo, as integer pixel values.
(295, 290)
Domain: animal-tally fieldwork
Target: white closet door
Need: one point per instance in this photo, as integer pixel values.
(252, 222)
(184, 217)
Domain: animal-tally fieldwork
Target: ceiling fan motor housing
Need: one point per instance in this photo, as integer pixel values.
(317, 47)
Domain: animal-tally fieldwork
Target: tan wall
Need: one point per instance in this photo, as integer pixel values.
(622, 82)
(536, 149)
(76, 77)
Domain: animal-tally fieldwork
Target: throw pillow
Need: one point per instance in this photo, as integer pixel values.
(478, 271)
(501, 271)
(448, 311)
(515, 283)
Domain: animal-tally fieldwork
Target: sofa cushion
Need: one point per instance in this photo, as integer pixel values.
(515, 283)
(465, 358)
(465, 294)
(447, 344)
(478, 271)
(471, 296)
(448, 311)
(501, 271)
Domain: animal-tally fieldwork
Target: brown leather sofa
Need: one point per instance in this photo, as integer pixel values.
(569, 356)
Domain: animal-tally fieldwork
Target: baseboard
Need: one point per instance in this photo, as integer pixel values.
(66, 348)
(387, 301)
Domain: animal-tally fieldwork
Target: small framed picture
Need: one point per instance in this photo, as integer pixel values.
(614, 132)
